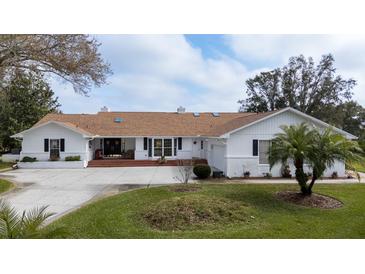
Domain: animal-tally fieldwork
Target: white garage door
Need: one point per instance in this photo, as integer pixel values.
(218, 160)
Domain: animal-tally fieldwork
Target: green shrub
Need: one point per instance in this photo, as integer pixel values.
(334, 175)
(286, 173)
(73, 158)
(202, 171)
(27, 159)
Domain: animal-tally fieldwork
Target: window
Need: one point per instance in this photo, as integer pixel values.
(162, 147)
(167, 147)
(264, 146)
(157, 143)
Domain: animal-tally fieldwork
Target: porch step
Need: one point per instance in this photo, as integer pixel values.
(137, 163)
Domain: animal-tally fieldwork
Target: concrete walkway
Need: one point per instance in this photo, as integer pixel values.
(66, 189)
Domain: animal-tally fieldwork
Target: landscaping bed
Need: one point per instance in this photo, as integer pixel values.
(219, 211)
(314, 200)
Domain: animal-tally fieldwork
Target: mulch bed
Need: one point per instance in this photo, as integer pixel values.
(314, 200)
(185, 188)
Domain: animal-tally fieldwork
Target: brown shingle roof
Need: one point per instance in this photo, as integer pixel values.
(156, 123)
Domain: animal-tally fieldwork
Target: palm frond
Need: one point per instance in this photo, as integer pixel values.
(9, 221)
(33, 220)
(26, 225)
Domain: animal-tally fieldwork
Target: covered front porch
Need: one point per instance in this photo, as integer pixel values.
(113, 148)
(147, 148)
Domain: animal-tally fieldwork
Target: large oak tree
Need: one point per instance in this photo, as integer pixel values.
(74, 58)
(313, 89)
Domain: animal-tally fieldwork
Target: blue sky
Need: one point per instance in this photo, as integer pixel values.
(201, 72)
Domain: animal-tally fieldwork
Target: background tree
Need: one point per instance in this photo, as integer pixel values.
(313, 89)
(74, 58)
(23, 101)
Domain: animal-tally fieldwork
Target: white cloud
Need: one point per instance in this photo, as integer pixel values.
(163, 72)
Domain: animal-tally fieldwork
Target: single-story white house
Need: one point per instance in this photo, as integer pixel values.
(231, 142)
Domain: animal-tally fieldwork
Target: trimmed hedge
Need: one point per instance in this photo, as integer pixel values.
(73, 158)
(202, 171)
(27, 159)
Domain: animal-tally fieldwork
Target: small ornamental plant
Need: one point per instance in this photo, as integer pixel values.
(334, 175)
(73, 158)
(202, 171)
(286, 173)
(27, 159)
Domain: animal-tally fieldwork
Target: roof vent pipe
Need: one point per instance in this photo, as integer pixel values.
(180, 109)
(105, 109)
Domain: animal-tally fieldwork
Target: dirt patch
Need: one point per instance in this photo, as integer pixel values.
(314, 200)
(185, 188)
(191, 212)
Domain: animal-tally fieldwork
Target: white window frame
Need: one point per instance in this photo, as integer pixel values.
(163, 147)
(259, 154)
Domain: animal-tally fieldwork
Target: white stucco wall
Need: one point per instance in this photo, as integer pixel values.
(216, 151)
(139, 153)
(239, 147)
(10, 158)
(54, 165)
(33, 142)
(186, 151)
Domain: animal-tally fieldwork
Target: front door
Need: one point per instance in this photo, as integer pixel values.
(54, 151)
(112, 146)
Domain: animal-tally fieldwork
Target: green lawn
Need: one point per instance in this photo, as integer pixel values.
(360, 167)
(5, 185)
(120, 216)
(4, 165)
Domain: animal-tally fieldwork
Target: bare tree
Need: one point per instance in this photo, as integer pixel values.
(185, 169)
(74, 58)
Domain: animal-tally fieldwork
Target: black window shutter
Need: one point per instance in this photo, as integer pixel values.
(255, 147)
(179, 142)
(149, 147)
(46, 145)
(145, 139)
(62, 144)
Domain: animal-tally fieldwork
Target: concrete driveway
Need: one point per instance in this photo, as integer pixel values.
(66, 189)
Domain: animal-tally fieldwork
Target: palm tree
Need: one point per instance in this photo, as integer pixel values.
(329, 147)
(320, 150)
(295, 143)
(26, 225)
